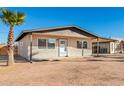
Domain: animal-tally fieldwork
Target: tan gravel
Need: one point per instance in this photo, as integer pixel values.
(106, 70)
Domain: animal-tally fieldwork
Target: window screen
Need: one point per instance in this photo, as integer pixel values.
(79, 44)
(51, 43)
(85, 44)
(42, 43)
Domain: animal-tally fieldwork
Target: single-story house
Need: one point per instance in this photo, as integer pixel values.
(67, 41)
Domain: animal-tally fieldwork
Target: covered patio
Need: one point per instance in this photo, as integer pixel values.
(102, 45)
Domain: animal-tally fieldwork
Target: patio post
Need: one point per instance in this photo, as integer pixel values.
(121, 47)
(114, 47)
(97, 46)
(30, 47)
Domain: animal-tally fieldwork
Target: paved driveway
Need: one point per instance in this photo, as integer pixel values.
(104, 70)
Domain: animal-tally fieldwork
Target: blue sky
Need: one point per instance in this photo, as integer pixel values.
(106, 22)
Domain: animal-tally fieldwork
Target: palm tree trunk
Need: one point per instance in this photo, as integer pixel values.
(10, 46)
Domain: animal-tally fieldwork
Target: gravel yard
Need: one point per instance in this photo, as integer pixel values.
(104, 70)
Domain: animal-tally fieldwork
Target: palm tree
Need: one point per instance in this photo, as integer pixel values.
(11, 19)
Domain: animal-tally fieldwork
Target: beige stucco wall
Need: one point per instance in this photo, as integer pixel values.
(74, 51)
(38, 54)
(24, 47)
(53, 53)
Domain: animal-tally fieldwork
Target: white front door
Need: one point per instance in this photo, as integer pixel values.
(62, 47)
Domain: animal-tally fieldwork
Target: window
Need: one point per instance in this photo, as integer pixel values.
(62, 42)
(51, 43)
(79, 44)
(85, 44)
(46, 43)
(42, 43)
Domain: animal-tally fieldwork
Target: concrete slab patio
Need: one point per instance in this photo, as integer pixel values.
(103, 70)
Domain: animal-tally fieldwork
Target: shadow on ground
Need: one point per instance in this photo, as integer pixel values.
(18, 59)
(104, 58)
(46, 60)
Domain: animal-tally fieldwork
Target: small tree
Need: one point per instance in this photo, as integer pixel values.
(11, 19)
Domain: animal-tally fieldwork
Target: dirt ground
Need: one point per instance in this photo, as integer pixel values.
(104, 70)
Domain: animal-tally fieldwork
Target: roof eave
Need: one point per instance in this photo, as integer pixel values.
(37, 30)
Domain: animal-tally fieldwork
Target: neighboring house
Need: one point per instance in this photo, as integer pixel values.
(119, 45)
(3, 50)
(105, 47)
(68, 41)
(112, 46)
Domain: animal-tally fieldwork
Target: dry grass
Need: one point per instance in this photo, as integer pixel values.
(108, 70)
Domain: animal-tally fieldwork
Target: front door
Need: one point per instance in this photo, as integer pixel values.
(62, 47)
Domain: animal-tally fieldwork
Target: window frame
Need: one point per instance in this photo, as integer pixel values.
(86, 45)
(77, 44)
(38, 43)
(47, 39)
(52, 43)
(82, 44)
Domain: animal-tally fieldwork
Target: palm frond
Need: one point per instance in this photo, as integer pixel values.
(10, 18)
(6, 17)
(20, 18)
